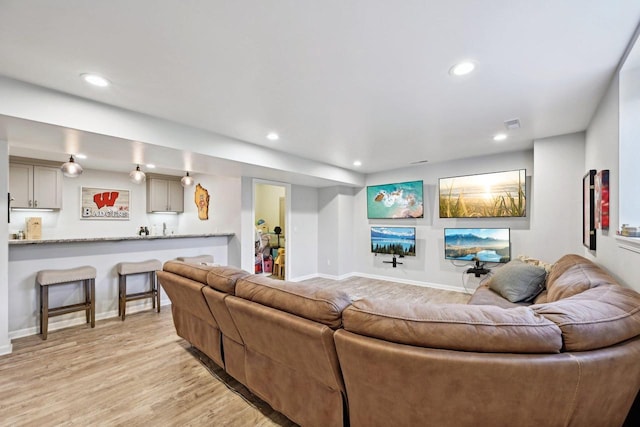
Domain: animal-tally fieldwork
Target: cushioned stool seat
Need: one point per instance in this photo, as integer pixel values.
(144, 267)
(46, 278)
(200, 259)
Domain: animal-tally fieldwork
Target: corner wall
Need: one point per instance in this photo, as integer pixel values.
(602, 152)
(5, 342)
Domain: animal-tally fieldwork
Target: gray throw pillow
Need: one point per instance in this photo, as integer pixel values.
(518, 281)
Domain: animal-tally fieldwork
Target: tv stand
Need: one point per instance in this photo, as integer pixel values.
(478, 270)
(394, 261)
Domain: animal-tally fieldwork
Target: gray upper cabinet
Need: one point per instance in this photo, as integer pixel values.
(164, 195)
(33, 186)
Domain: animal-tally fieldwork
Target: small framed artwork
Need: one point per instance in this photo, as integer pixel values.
(102, 203)
(602, 199)
(588, 212)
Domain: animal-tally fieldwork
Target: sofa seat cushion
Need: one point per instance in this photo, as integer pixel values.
(224, 279)
(485, 296)
(305, 300)
(480, 328)
(518, 281)
(596, 318)
(573, 274)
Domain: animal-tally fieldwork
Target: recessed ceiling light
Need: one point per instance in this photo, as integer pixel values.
(151, 166)
(357, 163)
(272, 136)
(95, 79)
(80, 156)
(462, 68)
(500, 137)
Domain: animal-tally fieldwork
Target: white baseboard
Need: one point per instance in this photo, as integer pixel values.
(81, 320)
(6, 349)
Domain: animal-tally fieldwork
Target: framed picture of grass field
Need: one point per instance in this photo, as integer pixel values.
(487, 195)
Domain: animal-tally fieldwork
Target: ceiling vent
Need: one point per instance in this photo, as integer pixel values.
(512, 124)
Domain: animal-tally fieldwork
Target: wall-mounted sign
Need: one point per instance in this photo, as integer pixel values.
(102, 203)
(201, 199)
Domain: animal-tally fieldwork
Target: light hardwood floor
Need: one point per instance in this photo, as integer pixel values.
(139, 372)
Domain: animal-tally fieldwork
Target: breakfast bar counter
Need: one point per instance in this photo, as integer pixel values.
(27, 257)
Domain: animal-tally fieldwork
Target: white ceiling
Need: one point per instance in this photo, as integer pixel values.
(338, 80)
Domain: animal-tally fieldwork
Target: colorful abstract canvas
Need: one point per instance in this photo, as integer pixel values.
(401, 200)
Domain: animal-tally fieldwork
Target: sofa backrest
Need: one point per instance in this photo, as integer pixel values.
(479, 328)
(598, 317)
(573, 274)
(291, 362)
(311, 302)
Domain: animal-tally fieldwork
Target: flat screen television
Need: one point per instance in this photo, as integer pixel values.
(477, 244)
(399, 241)
(391, 201)
(487, 195)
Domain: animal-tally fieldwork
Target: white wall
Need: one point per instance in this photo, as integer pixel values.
(602, 153)
(429, 265)
(629, 148)
(267, 204)
(335, 224)
(303, 235)
(5, 343)
(556, 220)
(224, 205)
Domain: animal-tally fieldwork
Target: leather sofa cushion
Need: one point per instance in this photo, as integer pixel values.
(224, 279)
(221, 278)
(305, 300)
(596, 318)
(195, 272)
(479, 328)
(573, 274)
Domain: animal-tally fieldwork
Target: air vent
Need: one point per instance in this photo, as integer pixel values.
(512, 124)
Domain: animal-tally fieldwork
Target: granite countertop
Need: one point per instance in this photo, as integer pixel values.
(115, 239)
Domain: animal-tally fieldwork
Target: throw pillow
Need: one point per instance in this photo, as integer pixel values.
(518, 281)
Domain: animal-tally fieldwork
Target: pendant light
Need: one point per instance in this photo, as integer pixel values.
(186, 180)
(71, 169)
(137, 176)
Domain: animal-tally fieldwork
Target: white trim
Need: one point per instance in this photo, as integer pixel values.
(81, 320)
(6, 349)
(629, 243)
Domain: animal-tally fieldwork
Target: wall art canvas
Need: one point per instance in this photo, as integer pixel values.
(602, 199)
(488, 195)
(400, 200)
(201, 198)
(102, 203)
(588, 210)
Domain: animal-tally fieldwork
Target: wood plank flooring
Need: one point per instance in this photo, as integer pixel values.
(139, 372)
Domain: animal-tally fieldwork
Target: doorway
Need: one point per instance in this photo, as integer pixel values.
(270, 221)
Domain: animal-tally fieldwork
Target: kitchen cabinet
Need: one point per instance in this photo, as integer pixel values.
(164, 195)
(34, 186)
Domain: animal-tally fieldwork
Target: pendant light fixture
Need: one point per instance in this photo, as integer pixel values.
(186, 180)
(137, 176)
(71, 169)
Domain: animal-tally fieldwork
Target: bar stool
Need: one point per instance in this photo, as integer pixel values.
(145, 267)
(200, 259)
(46, 278)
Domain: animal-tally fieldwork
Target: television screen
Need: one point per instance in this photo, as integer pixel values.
(498, 194)
(393, 240)
(390, 201)
(483, 244)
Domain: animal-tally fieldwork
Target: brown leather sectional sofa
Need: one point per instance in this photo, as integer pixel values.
(569, 358)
